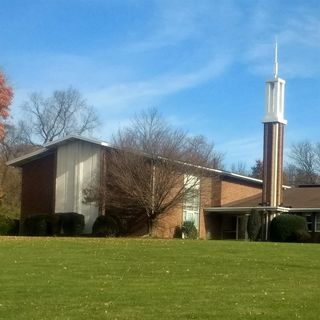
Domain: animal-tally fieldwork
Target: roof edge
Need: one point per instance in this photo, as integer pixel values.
(243, 209)
(75, 137)
(27, 157)
(60, 141)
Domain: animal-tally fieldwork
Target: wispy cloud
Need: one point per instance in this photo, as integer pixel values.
(172, 24)
(298, 34)
(124, 95)
(175, 22)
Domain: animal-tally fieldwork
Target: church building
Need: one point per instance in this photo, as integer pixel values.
(55, 176)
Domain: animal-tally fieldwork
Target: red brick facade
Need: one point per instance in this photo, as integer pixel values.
(234, 190)
(214, 191)
(38, 186)
(165, 225)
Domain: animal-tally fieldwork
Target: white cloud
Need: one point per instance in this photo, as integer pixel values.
(298, 37)
(118, 97)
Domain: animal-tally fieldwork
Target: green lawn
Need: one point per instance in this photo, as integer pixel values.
(67, 278)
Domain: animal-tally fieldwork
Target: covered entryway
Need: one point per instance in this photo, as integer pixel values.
(226, 225)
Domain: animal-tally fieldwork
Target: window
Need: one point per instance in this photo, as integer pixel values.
(317, 222)
(191, 205)
(313, 222)
(309, 222)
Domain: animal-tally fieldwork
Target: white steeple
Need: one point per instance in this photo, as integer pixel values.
(274, 105)
(276, 60)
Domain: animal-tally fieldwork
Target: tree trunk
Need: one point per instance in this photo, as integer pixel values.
(150, 226)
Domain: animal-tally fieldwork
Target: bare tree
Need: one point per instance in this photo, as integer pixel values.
(257, 169)
(16, 141)
(305, 158)
(64, 112)
(239, 168)
(153, 167)
(13, 144)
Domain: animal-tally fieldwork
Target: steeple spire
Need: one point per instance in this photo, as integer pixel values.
(274, 123)
(275, 95)
(276, 60)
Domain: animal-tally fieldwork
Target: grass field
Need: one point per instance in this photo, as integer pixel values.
(65, 278)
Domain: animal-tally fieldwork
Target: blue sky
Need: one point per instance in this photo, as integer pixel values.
(202, 64)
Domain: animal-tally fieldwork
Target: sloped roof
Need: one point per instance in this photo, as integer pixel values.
(48, 147)
(304, 197)
(300, 197)
(74, 137)
(20, 161)
(17, 162)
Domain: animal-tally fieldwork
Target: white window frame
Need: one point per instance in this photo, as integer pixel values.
(191, 205)
(317, 222)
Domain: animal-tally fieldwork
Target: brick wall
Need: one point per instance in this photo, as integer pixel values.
(166, 223)
(207, 198)
(214, 191)
(38, 186)
(233, 190)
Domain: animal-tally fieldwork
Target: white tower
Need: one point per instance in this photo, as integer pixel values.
(274, 123)
(274, 106)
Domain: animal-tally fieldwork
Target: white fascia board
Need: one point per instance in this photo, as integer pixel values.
(240, 176)
(220, 172)
(47, 146)
(235, 175)
(75, 137)
(26, 157)
(245, 209)
(304, 209)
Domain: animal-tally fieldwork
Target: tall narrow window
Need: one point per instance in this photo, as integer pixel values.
(191, 205)
(317, 223)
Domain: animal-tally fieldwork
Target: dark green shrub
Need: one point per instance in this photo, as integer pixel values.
(72, 223)
(289, 228)
(177, 232)
(302, 236)
(122, 224)
(254, 226)
(189, 230)
(41, 225)
(54, 227)
(9, 226)
(106, 226)
(15, 228)
(35, 225)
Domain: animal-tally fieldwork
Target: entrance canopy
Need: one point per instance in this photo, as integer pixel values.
(229, 221)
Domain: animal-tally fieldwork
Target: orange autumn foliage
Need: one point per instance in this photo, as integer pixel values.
(6, 95)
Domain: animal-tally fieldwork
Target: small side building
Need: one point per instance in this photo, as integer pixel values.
(53, 177)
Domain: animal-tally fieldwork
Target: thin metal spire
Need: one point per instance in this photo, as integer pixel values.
(275, 71)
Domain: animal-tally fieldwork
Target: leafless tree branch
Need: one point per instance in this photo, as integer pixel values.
(63, 113)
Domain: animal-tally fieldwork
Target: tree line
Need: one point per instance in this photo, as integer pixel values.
(301, 168)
